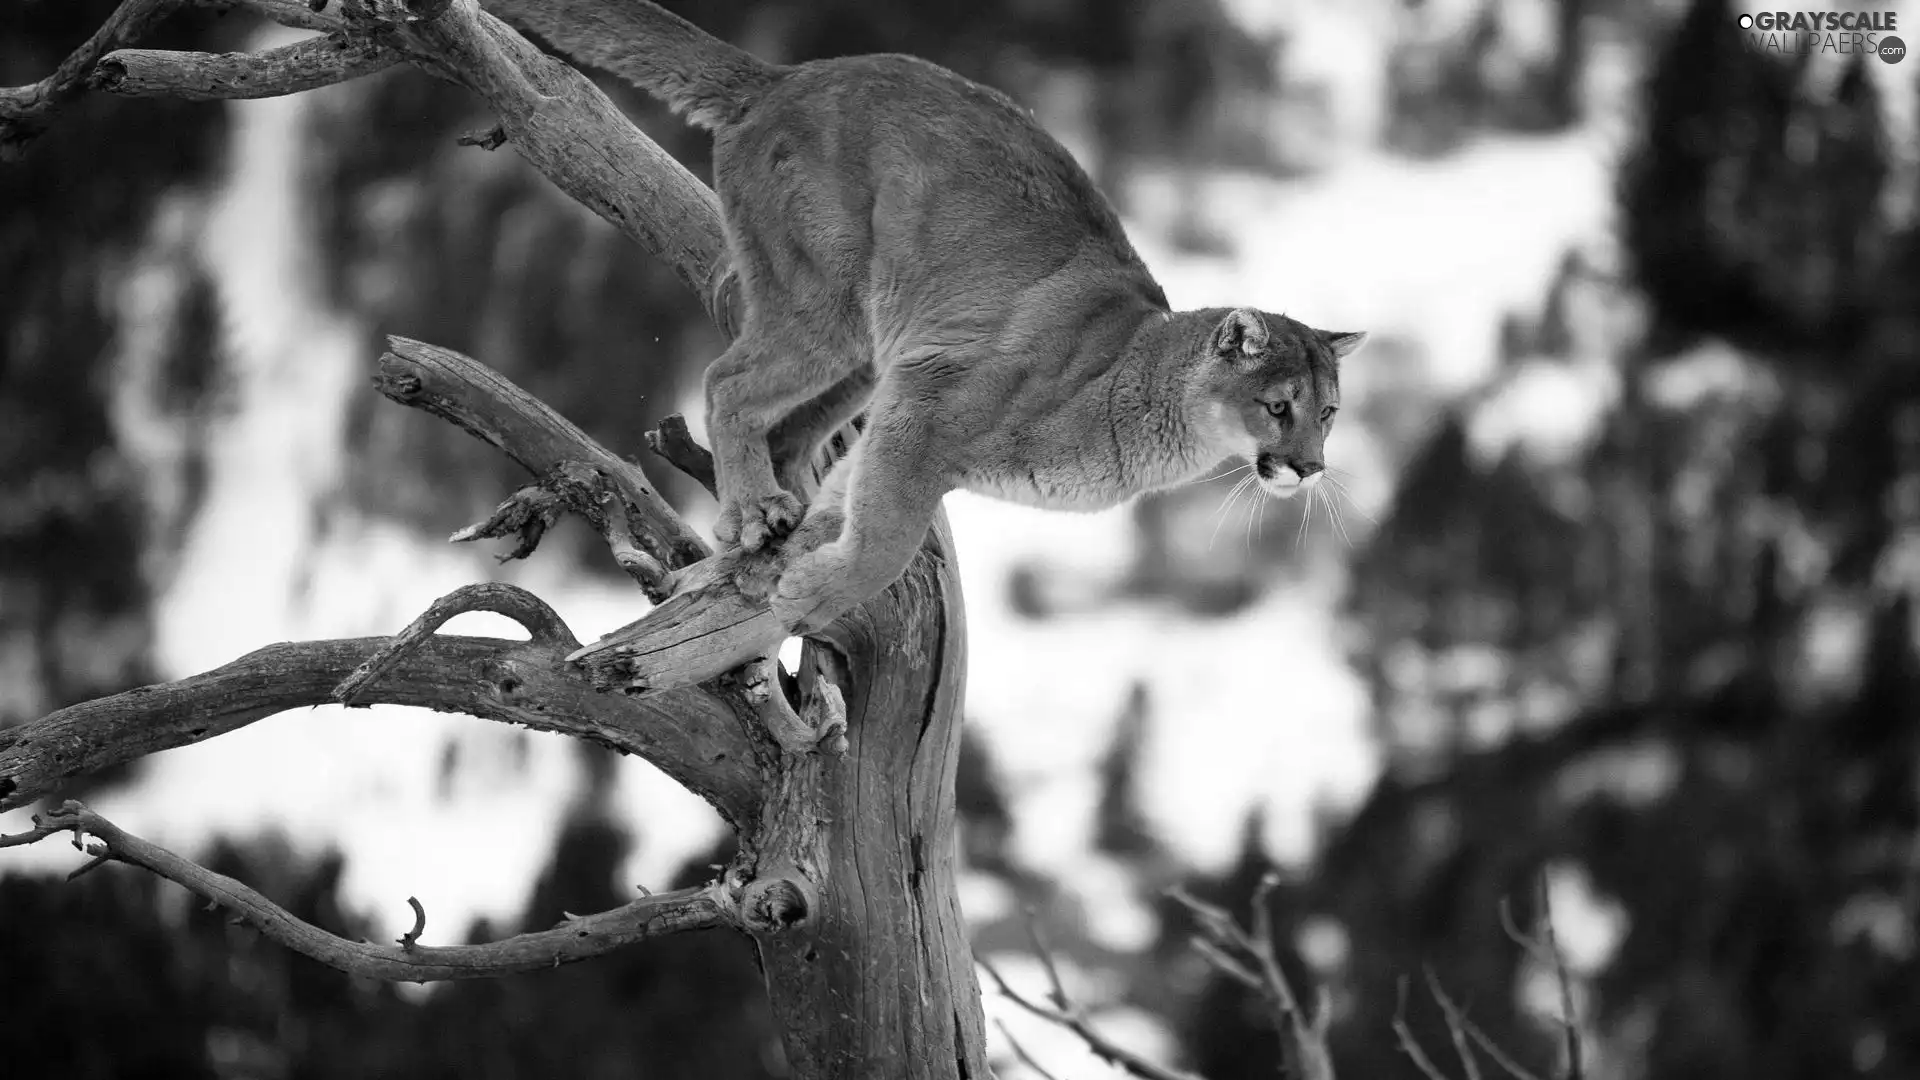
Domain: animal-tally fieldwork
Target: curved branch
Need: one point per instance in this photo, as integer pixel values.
(25, 111)
(289, 69)
(541, 622)
(694, 737)
(575, 939)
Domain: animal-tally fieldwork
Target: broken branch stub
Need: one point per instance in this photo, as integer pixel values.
(710, 626)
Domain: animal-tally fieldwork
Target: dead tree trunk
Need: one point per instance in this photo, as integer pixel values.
(845, 877)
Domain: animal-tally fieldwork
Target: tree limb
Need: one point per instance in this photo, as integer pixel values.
(647, 537)
(568, 129)
(290, 69)
(27, 111)
(575, 939)
(694, 737)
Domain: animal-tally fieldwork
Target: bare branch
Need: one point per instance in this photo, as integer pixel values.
(672, 441)
(647, 536)
(1253, 960)
(1056, 989)
(1021, 1052)
(575, 939)
(1492, 1049)
(1409, 1045)
(1456, 1026)
(1106, 1049)
(541, 621)
(697, 739)
(290, 69)
(1545, 950)
(27, 111)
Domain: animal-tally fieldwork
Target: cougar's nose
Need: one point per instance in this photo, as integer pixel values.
(1309, 471)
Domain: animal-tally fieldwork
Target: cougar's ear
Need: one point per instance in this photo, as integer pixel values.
(1343, 344)
(1240, 336)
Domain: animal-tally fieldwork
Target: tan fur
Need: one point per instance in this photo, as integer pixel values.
(912, 242)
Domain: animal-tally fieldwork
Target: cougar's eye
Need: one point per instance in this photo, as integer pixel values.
(1280, 409)
(1326, 414)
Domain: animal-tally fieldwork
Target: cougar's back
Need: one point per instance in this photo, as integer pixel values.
(910, 200)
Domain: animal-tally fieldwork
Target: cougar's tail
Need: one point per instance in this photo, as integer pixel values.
(704, 79)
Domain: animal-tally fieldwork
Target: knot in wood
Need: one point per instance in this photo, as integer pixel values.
(774, 904)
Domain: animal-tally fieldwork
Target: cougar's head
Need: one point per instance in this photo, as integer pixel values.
(1276, 385)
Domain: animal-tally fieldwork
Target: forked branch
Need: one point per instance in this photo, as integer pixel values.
(27, 111)
(1252, 959)
(408, 961)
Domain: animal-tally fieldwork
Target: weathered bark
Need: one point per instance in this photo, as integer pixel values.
(880, 981)
(846, 877)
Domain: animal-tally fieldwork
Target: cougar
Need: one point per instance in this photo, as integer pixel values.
(912, 243)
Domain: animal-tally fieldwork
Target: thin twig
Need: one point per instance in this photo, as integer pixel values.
(1057, 992)
(1456, 1026)
(1576, 1068)
(1231, 950)
(1104, 1048)
(408, 939)
(1547, 954)
(1492, 1050)
(1021, 1052)
(1409, 1045)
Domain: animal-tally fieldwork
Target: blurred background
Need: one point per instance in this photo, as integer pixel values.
(1620, 593)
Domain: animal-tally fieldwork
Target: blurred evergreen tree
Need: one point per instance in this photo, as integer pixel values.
(1706, 622)
(75, 535)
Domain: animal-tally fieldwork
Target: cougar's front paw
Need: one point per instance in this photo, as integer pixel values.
(757, 520)
(812, 592)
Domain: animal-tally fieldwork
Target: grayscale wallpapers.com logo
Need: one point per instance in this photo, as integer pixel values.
(1849, 32)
